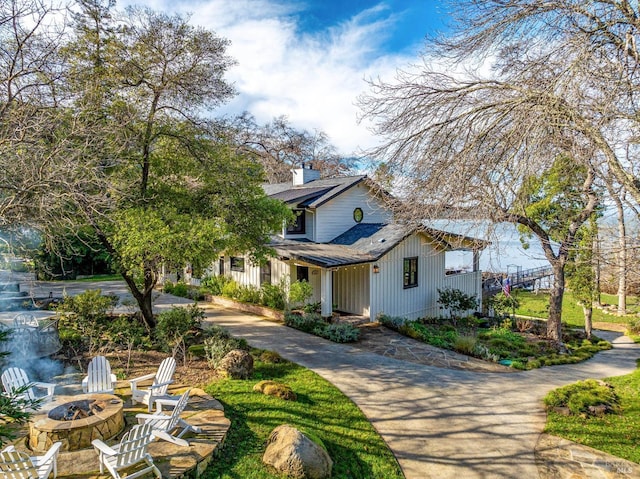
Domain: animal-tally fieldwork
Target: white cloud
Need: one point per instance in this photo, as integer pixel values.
(313, 79)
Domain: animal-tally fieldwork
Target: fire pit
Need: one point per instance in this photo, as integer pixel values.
(76, 421)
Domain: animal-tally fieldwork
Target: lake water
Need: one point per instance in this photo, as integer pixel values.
(505, 254)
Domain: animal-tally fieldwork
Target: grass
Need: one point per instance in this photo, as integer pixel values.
(617, 434)
(357, 450)
(537, 306)
(99, 277)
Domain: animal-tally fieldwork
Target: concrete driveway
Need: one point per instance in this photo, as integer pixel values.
(440, 423)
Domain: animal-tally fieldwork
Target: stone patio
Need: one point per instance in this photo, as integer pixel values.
(173, 461)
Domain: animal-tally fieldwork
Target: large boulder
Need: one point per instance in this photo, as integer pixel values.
(295, 455)
(237, 364)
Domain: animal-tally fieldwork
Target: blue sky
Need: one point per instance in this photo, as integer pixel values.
(308, 60)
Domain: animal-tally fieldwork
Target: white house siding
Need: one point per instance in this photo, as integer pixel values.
(469, 283)
(336, 216)
(351, 289)
(251, 274)
(387, 293)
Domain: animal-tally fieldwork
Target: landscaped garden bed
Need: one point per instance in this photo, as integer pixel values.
(520, 343)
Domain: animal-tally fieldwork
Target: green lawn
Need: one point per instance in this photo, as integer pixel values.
(537, 305)
(355, 447)
(617, 434)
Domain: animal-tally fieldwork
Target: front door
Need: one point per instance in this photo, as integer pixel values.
(221, 266)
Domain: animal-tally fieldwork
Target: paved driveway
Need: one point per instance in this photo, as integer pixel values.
(440, 423)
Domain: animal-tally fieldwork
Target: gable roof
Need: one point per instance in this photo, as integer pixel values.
(363, 243)
(314, 193)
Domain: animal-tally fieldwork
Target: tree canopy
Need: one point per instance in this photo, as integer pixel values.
(110, 132)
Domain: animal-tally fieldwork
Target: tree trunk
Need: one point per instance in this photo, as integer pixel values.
(622, 257)
(596, 268)
(554, 324)
(143, 298)
(588, 319)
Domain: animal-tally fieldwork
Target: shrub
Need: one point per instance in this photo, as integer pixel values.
(176, 325)
(633, 326)
(214, 284)
(273, 296)
(465, 345)
(456, 301)
(229, 289)
(299, 292)
(503, 305)
(304, 322)
(248, 294)
(584, 398)
(341, 333)
(218, 342)
(392, 322)
(313, 307)
(87, 313)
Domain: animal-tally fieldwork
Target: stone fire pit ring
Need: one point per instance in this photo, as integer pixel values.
(106, 422)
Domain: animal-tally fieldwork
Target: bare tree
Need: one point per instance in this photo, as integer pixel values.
(279, 147)
(465, 144)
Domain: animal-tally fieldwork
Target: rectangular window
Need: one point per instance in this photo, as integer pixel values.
(237, 264)
(410, 272)
(298, 227)
(302, 273)
(265, 273)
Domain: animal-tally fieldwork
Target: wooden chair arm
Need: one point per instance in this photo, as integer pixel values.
(135, 381)
(53, 451)
(103, 448)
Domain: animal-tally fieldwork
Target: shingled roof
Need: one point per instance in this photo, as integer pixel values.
(314, 193)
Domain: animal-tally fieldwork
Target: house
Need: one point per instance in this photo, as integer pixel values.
(346, 244)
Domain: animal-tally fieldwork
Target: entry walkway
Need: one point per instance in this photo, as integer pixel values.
(439, 422)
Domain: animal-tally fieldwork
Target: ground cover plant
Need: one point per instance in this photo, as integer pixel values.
(313, 323)
(617, 433)
(320, 410)
(518, 344)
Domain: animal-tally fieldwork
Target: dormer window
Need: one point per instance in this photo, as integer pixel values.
(298, 227)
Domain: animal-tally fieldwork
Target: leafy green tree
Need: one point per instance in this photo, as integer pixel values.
(554, 206)
(165, 191)
(581, 275)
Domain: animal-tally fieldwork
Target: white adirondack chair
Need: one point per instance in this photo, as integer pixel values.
(14, 379)
(99, 378)
(132, 450)
(158, 389)
(164, 425)
(19, 465)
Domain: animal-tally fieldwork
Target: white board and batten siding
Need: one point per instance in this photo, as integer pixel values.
(336, 216)
(251, 274)
(388, 295)
(469, 283)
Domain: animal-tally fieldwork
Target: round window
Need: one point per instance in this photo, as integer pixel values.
(358, 215)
